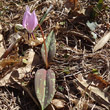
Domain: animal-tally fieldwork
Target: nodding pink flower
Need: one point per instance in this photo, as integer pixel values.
(30, 20)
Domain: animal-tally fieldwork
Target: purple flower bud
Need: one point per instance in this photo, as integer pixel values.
(30, 20)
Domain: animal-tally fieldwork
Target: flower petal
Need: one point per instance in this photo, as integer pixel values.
(32, 22)
(25, 17)
(27, 8)
(36, 20)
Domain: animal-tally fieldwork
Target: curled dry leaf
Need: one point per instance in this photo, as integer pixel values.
(58, 103)
(5, 80)
(35, 42)
(99, 96)
(2, 49)
(98, 80)
(19, 27)
(50, 107)
(17, 74)
(102, 42)
(0, 27)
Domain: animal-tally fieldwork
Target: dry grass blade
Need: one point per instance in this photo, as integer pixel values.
(102, 42)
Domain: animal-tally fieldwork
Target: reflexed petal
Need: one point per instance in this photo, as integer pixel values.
(35, 19)
(29, 20)
(27, 8)
(25, 17)
(32, 22)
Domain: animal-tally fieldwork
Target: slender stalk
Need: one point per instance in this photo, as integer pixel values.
(29, 35)
(44, 46)
(33, 36)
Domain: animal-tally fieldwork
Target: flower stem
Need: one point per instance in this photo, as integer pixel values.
(29, 35)
(33, 36)
(44, 46)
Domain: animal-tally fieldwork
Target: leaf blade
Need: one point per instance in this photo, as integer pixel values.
(50, 47)
(50, 87)
(44, 86)
(40, 83)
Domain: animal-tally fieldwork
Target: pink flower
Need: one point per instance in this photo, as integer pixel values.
(30, 20)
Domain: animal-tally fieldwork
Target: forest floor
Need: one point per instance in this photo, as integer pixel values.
(82, 59)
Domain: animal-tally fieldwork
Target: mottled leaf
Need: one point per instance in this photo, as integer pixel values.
(50, 47)
(50, 87)
(40, 84)
(44, 86)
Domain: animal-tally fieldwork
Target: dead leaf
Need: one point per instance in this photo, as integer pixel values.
(0, 27)
(50, 107)
(2, 49)
(102, 42)
(58, 103)
(16, 17)
(17, 74)
(98, 80)
(34, 42)
(71, 4)
(5, 80)
(99, 96)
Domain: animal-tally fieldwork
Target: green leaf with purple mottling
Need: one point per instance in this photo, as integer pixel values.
(44, 86)
(50, 47)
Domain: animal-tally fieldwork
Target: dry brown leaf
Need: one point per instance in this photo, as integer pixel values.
(34, 42)
(5, 80)
(102, 42)
(58, 103)
(50, 107)
(2, 49)
(0, 27)
(71, 4)
(16, 17)
(99, 96)
(19, 73)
